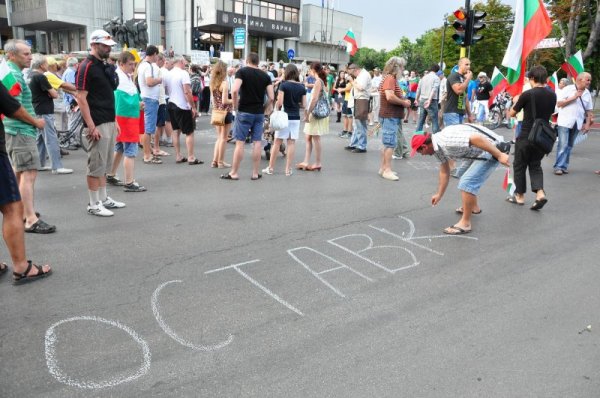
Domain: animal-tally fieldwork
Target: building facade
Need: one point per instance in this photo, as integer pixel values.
(274, 26)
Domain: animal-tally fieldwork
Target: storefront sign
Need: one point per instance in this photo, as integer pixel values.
(239, 38)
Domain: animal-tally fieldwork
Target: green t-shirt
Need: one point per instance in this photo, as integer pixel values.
(15, 126)
(330, 80)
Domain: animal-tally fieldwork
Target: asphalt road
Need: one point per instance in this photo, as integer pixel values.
(324, 284)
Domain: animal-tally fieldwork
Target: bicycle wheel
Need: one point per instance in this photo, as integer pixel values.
(494, 118)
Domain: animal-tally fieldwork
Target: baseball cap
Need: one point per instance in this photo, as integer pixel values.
(418, 139)
(102, 37)
(481, 74)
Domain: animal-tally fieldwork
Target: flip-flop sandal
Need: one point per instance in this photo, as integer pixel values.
(460, 211)
(195, 162)
(258, 177)
(154, 160)
(162, 153)
(22, 278)
(457, 231)
(182, 160)
(538, 204)
(228, 177)
(513, 199)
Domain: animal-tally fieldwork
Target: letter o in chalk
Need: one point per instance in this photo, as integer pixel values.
(55, 370)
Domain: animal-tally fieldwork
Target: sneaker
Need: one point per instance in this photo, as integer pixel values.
(558, 172)
(134, 187)
(62, 170)
(110, 203)
(99, 210)
(390, 176)
(114, 180)
(45, 168)
(267, 170)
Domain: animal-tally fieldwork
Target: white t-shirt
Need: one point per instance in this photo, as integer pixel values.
(164, 72)
(146, 69)
(375, 82)
(574, 112)
(362, 85)
(126, 82)
(174, 82)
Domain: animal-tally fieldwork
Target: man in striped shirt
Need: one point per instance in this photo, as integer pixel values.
(462, 141)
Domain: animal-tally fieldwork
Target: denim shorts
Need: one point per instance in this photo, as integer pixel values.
(129, 149)
(248, 124)
(161, 116)
(150, 115)
(9, 189)
(389, 127)
(472, 180)
(450, 119)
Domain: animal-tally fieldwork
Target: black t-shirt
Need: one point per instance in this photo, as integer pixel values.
(455, 103)
(41, 100)
(483, 91)
(292, 97)
(8, 106)
(252, 92)
(545, 101)
(99, 79)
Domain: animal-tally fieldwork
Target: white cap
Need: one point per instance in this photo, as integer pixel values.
(481, 74)
(102, 37)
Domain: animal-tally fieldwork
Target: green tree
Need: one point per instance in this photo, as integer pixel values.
(369, 58)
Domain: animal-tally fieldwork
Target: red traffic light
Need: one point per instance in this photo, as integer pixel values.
(460, 14)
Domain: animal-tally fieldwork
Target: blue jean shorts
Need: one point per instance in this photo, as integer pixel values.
(150, 115)
(9, 189)
(389, 128)
(248, 124)
(129, 149)
(473, 179)
(450, 119)
(161, 116)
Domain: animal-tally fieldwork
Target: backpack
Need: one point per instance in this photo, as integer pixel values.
(196, 84)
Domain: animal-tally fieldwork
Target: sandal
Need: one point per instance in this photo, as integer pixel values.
(161, 153)
(288, 172)
(228, 177)
(258, 177)
(454, 230)
(214, 164)
(20, 278)
(40, 227)
(539, 203)
(268, 170)
(513, 199)
(154, 160)
(182, 160)
(460, 211)
(224, 165)
(195, 161)
(3, 268)
(301, 166)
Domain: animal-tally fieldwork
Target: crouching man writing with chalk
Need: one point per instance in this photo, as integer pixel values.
(463, 141)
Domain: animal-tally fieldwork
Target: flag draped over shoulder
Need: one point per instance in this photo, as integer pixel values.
(352, 46)
(9, 81)
(532, 24)
(574, 65)
(499, 83)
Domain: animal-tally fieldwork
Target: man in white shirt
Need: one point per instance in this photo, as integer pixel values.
(181, 109)
(427, 98)
(149, 82)
(361, 88)
(163, 123)
(574, 115)
(375, 82)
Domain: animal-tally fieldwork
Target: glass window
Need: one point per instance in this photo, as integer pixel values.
(139, 6)
(288, 16)
(239, 7)
(264, 11)
(254, 44)
(256, 10)
(228, 5)
(271, 13)
(294, 16)
(279, 15)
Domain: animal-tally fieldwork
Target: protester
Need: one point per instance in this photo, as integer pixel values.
(21, 138)
(527, 154)
(149, 80)
(127, 109)
(427, 98)
(458, 142)
(348, 107)
(72, 110)
(161, 114)
(360, 88)
(391, 113)
(249, 90)
(96, 82)
(314, 127)
(338, 95)
(375, 100)
(483, 93)
(219, 87)
(457, 104)
(574, 117)
(206, 90)
(10, 201)
(292, 97)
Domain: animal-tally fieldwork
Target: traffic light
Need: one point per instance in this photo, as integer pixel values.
(196, 39)
(461, 27)
(475, 24)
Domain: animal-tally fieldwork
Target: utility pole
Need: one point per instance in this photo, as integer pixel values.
(443, 39)
(463, 50)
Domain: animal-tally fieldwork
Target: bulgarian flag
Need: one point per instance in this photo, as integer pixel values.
(350, 40)
(508, 184)
(574, 65)
(499, 83)
(532, 24)
(127, 112)
(9, 81)
(553, 82)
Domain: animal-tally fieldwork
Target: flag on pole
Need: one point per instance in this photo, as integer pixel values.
(499, 83)
(574, 65)
(350, 40)
(553, 82)
(508, 184)
(9, 81)
(532, 24)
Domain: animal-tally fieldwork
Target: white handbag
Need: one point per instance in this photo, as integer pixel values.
(278, 120)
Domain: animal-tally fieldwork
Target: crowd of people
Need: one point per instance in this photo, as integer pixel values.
(151, 102)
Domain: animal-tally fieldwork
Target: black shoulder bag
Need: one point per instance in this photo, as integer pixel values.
(542, 134)
(502, 146)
